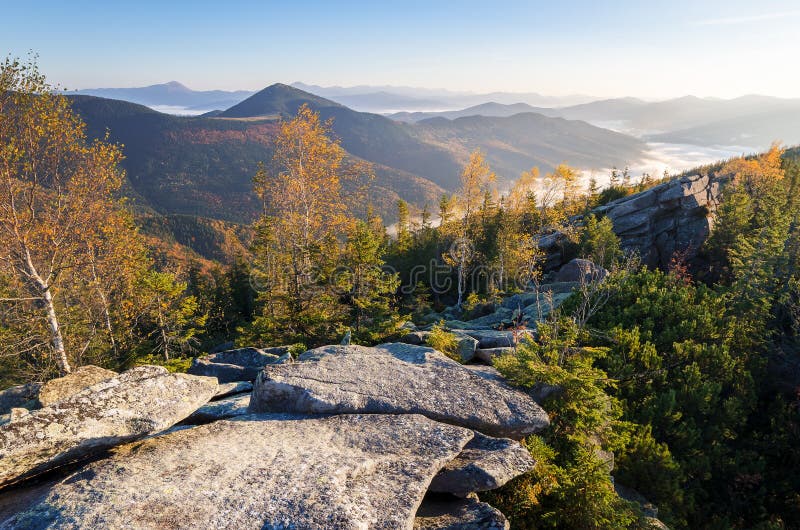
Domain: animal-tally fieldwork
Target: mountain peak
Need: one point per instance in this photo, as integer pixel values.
(175, 85)
(277, 99)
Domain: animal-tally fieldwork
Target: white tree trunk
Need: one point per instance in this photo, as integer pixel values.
(55, 332)
(56, 339)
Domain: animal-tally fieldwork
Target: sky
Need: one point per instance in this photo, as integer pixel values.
(652, 49)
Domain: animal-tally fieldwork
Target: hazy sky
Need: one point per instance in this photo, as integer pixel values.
(604, 48)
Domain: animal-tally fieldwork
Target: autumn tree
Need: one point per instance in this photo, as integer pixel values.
(171, 321)
(523, 189)
(57, 197)
(477, 180)
(304, 223)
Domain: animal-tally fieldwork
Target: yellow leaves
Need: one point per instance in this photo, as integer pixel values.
(477, 179)
(302, 192)
(755, 170)
(524, 187)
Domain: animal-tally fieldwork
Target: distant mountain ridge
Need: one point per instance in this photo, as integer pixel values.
(750, 121)
(172, 94)
(492, 109)
(386, 98)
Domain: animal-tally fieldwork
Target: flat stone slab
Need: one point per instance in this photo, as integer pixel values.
(484, 464)
(450, 513)
(137, 403)
(396, 379)
(341, 472)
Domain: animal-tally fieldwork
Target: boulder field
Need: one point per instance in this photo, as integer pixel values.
(393, 436)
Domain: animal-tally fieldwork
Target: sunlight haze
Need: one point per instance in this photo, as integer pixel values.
(604, 49)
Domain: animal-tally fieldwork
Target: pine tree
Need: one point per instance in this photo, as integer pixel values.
(370, 289)
(403, 226)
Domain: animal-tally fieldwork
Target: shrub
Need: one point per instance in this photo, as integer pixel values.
(442, 340)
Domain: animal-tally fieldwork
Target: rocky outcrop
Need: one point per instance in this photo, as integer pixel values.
(342, 472)
(63, 387)
(396, 379)
(243, 364)
(451, 513)
(672, 218)
(137, 403)
(484, 464)
(669, 218)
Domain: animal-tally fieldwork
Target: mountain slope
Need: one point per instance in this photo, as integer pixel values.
(754, 131)
(516, 143)
(368, 136)
(491, 109)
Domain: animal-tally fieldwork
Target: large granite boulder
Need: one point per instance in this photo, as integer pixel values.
(137, 403)
(488, 338)
(21, 396)
(243, 364)
(341, 472)
(396, 379)
(83, 377)
(484, 464)
(440, 512)
(416, 337)
(465, 347)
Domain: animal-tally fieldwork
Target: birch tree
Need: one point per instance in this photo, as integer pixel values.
(57, 190)
(476, 181)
